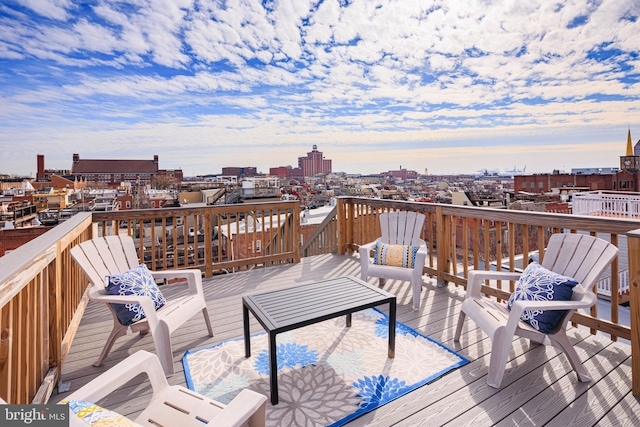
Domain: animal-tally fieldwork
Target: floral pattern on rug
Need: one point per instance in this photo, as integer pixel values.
(328, 374)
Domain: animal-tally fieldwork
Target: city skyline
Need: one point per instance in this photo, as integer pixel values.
(376, 85)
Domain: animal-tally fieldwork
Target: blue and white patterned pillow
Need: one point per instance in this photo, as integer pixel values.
(539, 284)
(395, 255)
(137, 281)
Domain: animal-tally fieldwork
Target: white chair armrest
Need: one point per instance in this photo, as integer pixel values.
(520, 306)
(241, 408)
(103, 385)
(145, 301)
(193, 276)
(367, 248)
(476, 277)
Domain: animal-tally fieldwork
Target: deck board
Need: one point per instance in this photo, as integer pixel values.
(539, 386)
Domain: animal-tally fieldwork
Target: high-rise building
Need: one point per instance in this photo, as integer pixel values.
(314, 163)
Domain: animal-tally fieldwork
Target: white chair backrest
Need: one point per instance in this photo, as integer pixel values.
(104, 256)
(580, 256)
(401, 228)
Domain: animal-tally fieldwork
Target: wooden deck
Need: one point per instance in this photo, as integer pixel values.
(539, 386)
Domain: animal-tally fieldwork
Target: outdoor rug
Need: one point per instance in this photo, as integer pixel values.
(328, 374)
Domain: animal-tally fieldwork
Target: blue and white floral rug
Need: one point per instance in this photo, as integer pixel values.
(328, 374)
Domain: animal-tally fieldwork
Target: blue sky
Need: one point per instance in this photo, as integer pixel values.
(446, 86)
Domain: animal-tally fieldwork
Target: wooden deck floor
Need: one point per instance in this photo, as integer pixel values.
(539, 386)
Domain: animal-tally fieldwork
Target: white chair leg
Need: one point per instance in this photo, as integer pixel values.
(574, 359)
(416, 286)
(117, 331)
(162, 341)
(207, 321)
(500, 347)
(461, 319)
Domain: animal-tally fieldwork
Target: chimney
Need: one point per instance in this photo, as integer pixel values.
(76, 158)
(155, 159)
(40, 173)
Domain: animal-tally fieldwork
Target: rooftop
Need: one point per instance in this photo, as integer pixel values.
(539, 385)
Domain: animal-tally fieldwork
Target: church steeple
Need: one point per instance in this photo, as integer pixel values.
(629, 162)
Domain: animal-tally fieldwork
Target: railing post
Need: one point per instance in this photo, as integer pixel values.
(55, 334)
(342, 226)
(296, 233)
(208, 246)
(441, 248)
(633, 244)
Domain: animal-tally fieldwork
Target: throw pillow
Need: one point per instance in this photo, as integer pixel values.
(137, 281)
(395, 255)
(539, 284)
(97, 416)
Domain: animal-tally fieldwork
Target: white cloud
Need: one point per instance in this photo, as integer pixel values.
(54, 9)
(355, 77)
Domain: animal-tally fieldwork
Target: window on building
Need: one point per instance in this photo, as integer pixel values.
(128, 204)
(541, 185)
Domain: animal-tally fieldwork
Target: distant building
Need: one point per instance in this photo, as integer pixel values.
(583, 171)
(111, 173)
(627, 178)
(402, 174)
(240, 172)
(314, 163)
(287, 172)
(43, 174)
(546, 182)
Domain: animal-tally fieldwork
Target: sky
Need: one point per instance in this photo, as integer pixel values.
(437, 86)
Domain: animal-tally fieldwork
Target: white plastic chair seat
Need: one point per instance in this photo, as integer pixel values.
(397, 228)
(579, 256)
(111, 255)
(172, 405)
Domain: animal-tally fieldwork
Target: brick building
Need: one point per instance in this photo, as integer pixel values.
(111, 173)
(13, 239)
(314, 163)
(240, 172)
(287, 172)
(545, 182)
(626, 179)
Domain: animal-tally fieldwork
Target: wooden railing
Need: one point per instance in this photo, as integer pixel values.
(324, 240)
(42, 290)
(607, 203)
(42, 299)
(220, 238)
(459, 238)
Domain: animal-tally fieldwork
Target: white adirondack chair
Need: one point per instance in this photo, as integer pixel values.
(172, 405)
(579, 256)
(398, 228)
(110, 255)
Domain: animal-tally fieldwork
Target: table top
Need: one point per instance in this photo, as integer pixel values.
(298, 306)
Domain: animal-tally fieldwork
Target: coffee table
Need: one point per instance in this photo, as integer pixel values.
(287, 309)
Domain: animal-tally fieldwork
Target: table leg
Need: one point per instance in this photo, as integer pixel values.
(245, 326)
(273, 368)
(392, 328)
(349, 320)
